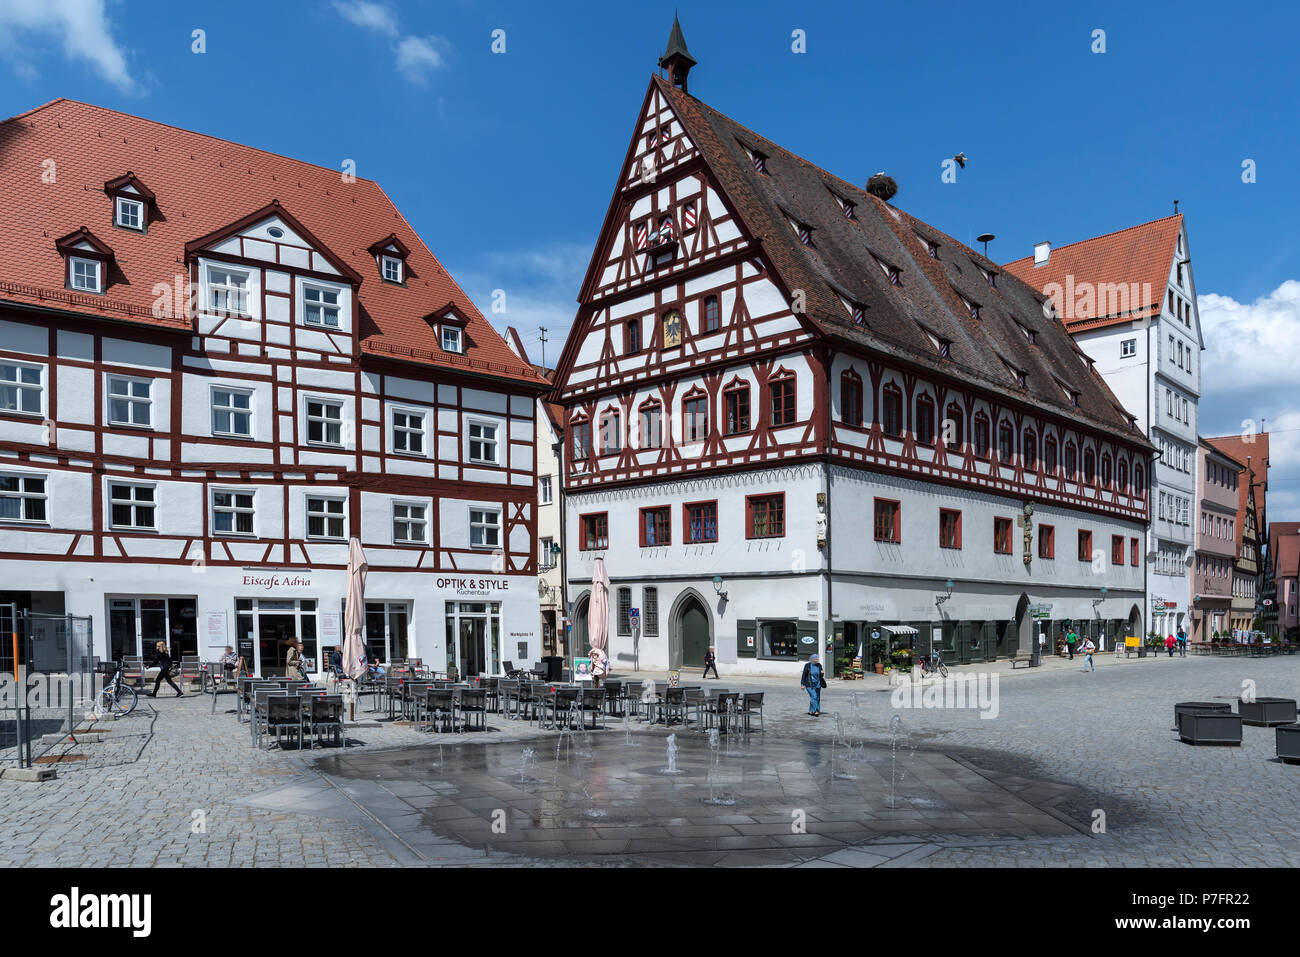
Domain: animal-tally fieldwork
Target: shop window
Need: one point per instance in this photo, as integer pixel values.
(780, 639)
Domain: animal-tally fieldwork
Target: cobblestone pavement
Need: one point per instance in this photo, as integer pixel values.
(174, 785)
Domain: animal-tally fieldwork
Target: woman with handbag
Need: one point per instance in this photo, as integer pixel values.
(164, 663)
(293, 662)
(813, 681)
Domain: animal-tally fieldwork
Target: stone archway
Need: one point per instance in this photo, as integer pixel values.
(579, 641)
(1136, 628)
(690, 631)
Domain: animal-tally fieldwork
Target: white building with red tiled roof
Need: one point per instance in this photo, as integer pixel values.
(1129, 300)
(218, 365)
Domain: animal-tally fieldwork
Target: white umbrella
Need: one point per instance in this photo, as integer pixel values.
(598, 616)
(354, 644)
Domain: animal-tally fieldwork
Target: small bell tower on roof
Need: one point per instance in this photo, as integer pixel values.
(677, 60)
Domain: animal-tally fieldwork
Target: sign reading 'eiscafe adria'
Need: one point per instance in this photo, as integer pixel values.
(276, 581)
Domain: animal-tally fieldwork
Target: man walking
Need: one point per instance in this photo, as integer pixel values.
(1182, 643)
(813, 681)
(710, 663)
(1070, 641)
(1088, 649)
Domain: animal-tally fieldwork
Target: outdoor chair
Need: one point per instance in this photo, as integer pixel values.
(473, 708)
(324, 715)
(591, 701)
(614, 697)
(751, 704)
(695, 700)
(439, 709)
(673, 705)
(718, 711)
(191, 669)
(557, 707)
(133, 670)
(258, 696)
(491, 694)
(283, 716)
(507, 692)
(412, 698)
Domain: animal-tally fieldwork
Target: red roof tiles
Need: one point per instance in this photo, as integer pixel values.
(202, 185)
(1140, 254)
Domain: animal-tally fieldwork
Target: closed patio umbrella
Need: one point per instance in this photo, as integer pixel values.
(354, 643)
(598, 615)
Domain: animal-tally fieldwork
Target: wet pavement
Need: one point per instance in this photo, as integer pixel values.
(748, 800)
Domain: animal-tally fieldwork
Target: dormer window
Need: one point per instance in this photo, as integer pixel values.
(85, 274)
(451, 339)
(760, 162)
(803, 231)
(891, 272)
(86, 261)
(129, 213)
(227, 291)
(131, 202)
(390, 253)
(449, 325)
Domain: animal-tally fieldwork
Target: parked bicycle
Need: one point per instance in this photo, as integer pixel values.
(117, 697)
(933, 664)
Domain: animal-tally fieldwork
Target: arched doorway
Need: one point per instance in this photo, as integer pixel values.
(1135, 627)
(690, 631)
(1026, 636)
(579, 643)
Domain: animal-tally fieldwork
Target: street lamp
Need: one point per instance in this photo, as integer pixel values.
(940, 599)
(717, 587)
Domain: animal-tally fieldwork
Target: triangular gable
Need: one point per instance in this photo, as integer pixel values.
(129, 185)
(84, 243)
(256, 228)
(390, 245)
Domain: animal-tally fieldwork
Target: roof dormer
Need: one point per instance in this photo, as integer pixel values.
(86, 261)
(133, 202)
(390, 256)
(449, 324)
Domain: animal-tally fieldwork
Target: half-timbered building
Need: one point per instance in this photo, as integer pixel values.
(218, 365)
(798, 418)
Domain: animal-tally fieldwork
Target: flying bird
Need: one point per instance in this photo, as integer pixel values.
(961, 160)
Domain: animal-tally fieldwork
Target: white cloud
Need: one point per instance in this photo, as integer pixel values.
(81, 27)
(371, 16)
(1251, 372)
(416, 57)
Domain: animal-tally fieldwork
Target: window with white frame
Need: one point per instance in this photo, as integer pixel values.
(22, 498)
(232, 412)
(485, 528)
(132, 506)
(1127, 348)
(451, 338)
(545, 490)
(408, 432)
(129, 401)
(326, 517)
(410, 523)
(227, 291)
(84, 274)
(391, 268)
(130, 213)
(324, 422)
(232, 512)
(321, 306)
(21, 388)
(483, 443)
(545, 553)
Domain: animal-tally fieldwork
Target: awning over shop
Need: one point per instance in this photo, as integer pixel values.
(899, 629)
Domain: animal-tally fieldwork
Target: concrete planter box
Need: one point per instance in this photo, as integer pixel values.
(1266, 712)
(1214, 706)
(1209, 727)
(1142, 651)
(1288, 743)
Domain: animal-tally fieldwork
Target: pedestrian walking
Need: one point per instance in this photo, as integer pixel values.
(293, 661)
(1088, 649)
(1070, 641)
(163, 662)
(813, 680)
(710, 662)
(1169, 645)
(1182, 643)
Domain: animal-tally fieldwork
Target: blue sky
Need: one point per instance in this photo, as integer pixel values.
(505, 162)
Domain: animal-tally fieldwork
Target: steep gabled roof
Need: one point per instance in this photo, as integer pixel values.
(201, 184)
(845, 262)
(1142, 254)
(1251, 455)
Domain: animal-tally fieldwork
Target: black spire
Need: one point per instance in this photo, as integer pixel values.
(677, 60)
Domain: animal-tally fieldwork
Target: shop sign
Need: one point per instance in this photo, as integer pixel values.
(475, 587)
(276, 581)
(215, 630)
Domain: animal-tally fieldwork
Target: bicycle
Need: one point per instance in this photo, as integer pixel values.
(933, 664)
(117, 697)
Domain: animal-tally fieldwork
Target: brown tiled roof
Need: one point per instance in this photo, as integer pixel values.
(203, 184)
(844, 262)
(1141, 254)
(1239, 450)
